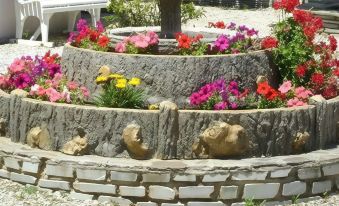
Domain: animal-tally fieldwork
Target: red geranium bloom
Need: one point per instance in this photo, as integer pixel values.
(336, 72)
(94, 35)
(269, 42)
(301, 70)
(287, 5)
(183, 40)
(220, 25)
(197, 38)
(330, 92)
(333, 43)
(103, 41)
(318, 78)
(272, 94)
(263, 88)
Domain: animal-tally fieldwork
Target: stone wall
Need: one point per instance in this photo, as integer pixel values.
(174, 182)
(169, 76)
(169, 133)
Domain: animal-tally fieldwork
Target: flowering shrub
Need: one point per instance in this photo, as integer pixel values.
(286, 95)
(219, 95)
(139, 43)
(119, 92)
(191, 45)
(42, 78)
(304, 54)
(89, 38)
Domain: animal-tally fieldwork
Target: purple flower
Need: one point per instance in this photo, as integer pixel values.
(71, 37)
(243, 28)
(82, 25)
(195, 99)
(220, 106)
(252, 32)
(23, 81)
(233, 105)
(54, 69)
(220, 84)
(238, 37)
(100, 27)
(231, 26)
(222, 43)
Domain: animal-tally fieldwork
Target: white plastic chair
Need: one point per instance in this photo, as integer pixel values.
(44, 10)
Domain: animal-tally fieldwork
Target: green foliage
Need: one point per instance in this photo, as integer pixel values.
(251, 202)
(295, 199)
(264, 103)
(292, 50)
(115, 97)
(145, 13)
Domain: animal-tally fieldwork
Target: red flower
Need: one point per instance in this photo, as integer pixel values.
(197, 38)
(272, 94)
(318, 78)
(333, 43)
(287, 5)
(263, 88)
(336, 72)
(184, 41)
(301, 70)
(269, 42)
(94, 35)
(103, 41)
(330, 92)
(220, 25)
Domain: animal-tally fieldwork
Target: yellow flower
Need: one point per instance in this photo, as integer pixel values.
(115, 76)
(121, 83)
(153, 107)
(101, 79)
(134, 81)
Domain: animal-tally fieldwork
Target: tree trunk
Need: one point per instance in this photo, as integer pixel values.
(170, 17)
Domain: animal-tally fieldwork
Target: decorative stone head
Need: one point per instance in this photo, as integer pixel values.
(39, 137)
(132, 137)
(221, 140)
(300, 141)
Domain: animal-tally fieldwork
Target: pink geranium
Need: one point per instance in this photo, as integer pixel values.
(3, 81)
(295, 102)
(53, 94)
(85, 91)
(285, 87)
(154, 38)
(140, 41)
(302, 93)
(17, 66)
(120, 47)
(72, 85)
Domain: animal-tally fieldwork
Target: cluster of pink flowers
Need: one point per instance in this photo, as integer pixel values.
(42, 78)
(60, 90)
(298, 96)
(219, 95)
(139, 43)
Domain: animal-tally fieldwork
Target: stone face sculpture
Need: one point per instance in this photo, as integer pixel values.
(3, 127)
(132, 137)
(104, 71)
(77, 146)
(221, 140)
(299, 142)
(39, 137)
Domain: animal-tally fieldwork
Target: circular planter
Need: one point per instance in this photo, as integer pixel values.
(170, 76)
(169, 133)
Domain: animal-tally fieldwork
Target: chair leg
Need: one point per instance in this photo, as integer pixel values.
(20, 27)
(44, 24)
(95, 13)
(72, 16)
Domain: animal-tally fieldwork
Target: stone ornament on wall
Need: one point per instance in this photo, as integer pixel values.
(132, 138)
(221, 140)
(300, 141)
(39, 137)
(78, 145)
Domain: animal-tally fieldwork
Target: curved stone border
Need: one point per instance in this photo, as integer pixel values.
(169, 76)
(180, 182)
(168, 133)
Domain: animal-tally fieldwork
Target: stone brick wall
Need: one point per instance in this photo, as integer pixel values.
(173, 182)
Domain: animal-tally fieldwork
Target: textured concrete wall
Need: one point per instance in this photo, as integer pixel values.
(170, 77)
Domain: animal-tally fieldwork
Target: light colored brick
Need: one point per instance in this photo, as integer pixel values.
(215, 177)
(161, 193)
(5, 174)
(321, 187)
(81, 196)
(185, 178)
(309, 173)
(248, 175)
(228, 192)
(95, 188)
(280, 172)
(91, 174)
(59, 170)
(118, 200)
(172, 204)
(54, 184)
(275, 203)
(124, 176)
(331, 169)
(205, 204)
(23, 178)
(132, 191)
(196, 192)
(294, 188)
(149, 177)
(31, 167)
(12, 163)
(146, 204)
(261, 190)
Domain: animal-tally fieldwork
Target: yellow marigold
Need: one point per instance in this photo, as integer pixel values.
(120, 85)
(153, 107)
(134, 81)
(101, 79)
(115, 76)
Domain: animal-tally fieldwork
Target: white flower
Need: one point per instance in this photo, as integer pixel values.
(35, 87)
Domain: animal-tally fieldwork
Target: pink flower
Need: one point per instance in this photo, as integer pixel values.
(41, 91)
(295, 102)
(120, 47)
(154, 38)
(53, 95)
(85, 91)
(302, 93)
(72, 85)
(17, 66)
(3, 81)
(140, 41)
(285, 87)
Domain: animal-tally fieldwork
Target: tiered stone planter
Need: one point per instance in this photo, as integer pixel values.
(179, 182)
